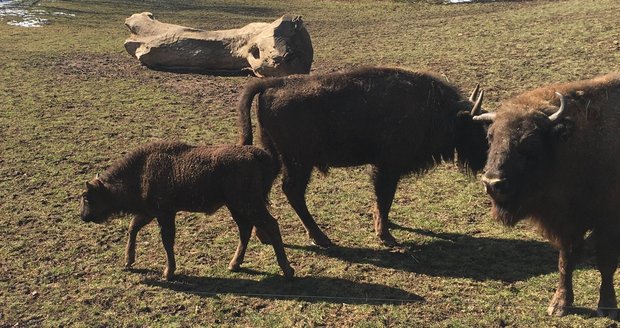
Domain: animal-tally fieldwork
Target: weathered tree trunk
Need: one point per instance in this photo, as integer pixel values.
(267, 49)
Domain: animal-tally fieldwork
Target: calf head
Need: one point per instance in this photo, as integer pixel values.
(522, 146)
(471, 142)
(95, 202)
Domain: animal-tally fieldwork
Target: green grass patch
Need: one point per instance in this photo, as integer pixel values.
(72, 102)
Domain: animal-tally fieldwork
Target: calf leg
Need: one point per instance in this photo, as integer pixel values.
(385, 187)
(607, 262)
(269, 225)
(245, 231)
(167, 230)
(564, 297)
(294, 183)
(137, 223)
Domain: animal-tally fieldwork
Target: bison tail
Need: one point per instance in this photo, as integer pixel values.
(245, 106)
(270, 167)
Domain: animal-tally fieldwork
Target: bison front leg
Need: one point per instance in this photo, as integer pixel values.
(294, 183)
(385, 187)
(564, 297)
(168, 231)
(607, 262)
(137, 223)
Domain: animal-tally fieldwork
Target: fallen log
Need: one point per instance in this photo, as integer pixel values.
(279, 48)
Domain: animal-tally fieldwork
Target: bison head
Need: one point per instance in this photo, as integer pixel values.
(95, 202)
(471, 142)
(522, 143)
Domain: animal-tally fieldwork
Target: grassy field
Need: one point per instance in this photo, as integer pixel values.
(72, 101)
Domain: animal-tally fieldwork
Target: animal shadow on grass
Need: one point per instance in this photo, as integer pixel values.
(312, 289)
(457, 256)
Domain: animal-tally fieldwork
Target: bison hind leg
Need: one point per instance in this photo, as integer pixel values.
(262, 236)
(294, 183)
(385, 183)
(607, 263)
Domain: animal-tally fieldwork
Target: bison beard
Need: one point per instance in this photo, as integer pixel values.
(396, 120)
(505, 215)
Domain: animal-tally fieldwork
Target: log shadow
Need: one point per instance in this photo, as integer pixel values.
(245, 72)
(311, 289)
(456, 256)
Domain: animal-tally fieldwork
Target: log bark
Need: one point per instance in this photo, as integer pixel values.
(279, 48)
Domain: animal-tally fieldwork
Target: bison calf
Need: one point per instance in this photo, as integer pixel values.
(554, 159)
(159, 179)
(396, 120)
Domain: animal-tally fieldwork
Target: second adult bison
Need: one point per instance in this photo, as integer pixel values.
(554, 158)
(399, 121)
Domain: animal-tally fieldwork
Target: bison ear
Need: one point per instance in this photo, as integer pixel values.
(562, 131)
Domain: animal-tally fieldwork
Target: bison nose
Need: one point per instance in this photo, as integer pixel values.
(496, 187)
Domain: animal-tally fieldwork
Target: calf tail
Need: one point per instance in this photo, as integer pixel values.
(244, 120)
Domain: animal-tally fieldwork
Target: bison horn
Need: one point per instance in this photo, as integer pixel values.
(475, 93)
(478, 105)
(560, 111)
(486, 117)
(97, 176)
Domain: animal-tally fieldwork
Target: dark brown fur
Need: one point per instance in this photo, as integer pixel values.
(159, 179)
(563, 174)
(396, 120)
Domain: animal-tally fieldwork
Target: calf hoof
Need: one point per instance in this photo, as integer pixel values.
(128, 265)
(234, 267)
(607, 312)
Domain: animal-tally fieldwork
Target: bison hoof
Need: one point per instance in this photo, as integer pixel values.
(128, 265)
(560, 303)
(321, 241)
(609, 313)
(388, 240)
(289, 273)
(557, 308)
(169, 275)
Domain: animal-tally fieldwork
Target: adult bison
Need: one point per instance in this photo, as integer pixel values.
(553, 158)
(397, 120)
